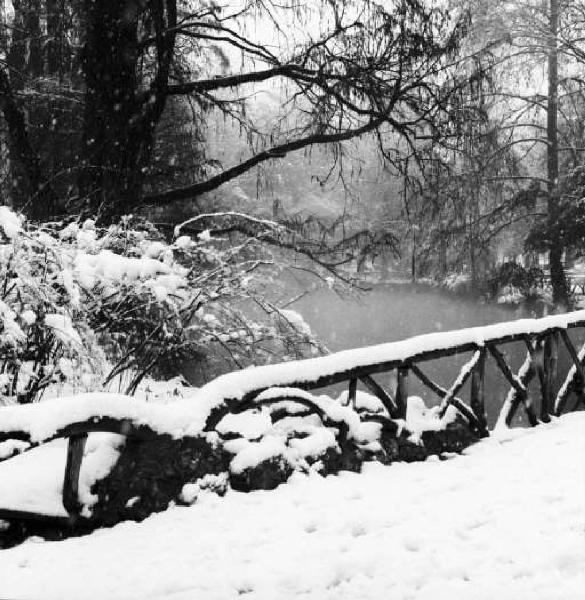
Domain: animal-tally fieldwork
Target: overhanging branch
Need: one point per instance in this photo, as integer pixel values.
(196, 189)
(217, 83)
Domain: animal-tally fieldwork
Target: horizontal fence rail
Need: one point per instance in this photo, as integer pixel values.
(270, 385)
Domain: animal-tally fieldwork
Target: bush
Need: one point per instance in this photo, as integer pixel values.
(527, 281)
(84, 306)
(39, 344)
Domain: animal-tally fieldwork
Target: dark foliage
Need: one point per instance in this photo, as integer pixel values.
(527, 281)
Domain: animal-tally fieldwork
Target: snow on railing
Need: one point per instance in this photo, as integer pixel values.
(75, 417)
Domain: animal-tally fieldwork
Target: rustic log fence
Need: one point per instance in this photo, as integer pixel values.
(542, 338)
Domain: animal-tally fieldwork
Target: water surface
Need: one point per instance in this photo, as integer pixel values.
(399, 311)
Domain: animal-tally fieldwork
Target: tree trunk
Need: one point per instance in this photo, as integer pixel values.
(32, 26)
(108, 149)
(37, 198)
(24, 60)
(3, 30)
(557, 272)
(413, 271)
(16, 58)
(59, 58)
(120, 117)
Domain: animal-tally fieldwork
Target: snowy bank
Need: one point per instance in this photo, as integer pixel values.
(257, 449)
(505, 520)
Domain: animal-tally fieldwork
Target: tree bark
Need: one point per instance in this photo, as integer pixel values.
(59, 63)
(120, 117)
(40, 202)
(109, 148)
(3, 29)
(32, 26)
(557, 272)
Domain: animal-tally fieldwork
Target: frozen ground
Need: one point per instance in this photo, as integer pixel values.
(503, 522)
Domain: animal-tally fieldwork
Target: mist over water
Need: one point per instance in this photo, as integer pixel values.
(395, 312)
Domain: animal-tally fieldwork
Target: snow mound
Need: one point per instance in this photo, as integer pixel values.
(33, 481)
(503, 521)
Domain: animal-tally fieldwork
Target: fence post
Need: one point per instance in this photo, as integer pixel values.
(553, 367)
(550, 367)
(576, 382)
(75, 450)
(540, 352)
(352, 393)
(477, 394)
(402, 392)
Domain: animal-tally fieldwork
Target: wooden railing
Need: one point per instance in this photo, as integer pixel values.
(244, 390)
(539, 336)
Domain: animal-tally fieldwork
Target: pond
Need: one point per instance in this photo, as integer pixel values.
(398, 311)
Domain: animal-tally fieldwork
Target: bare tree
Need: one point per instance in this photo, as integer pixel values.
(541, 124)
(370, 68)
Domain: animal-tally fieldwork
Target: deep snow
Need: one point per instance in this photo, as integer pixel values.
(503, 521)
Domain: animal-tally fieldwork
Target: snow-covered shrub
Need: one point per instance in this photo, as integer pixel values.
(511, 283)
(88, 306)
(296, 334)
(236, 322)
(39, 344)
(83, 305)
(457, 282)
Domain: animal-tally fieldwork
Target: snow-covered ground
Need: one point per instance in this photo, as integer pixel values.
(504, 521)
(33, 481)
